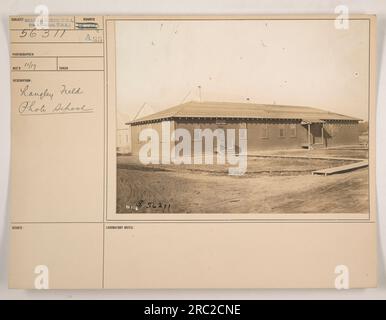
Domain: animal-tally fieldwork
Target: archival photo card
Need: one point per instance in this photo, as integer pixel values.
(193, 152)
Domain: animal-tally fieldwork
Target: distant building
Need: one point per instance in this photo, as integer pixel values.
(268, 126)
(123, 134)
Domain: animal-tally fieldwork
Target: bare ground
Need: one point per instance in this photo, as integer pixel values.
(270, 186)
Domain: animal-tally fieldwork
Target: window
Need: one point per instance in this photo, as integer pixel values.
(264, 131)
(331, 130)
(292, 129)
(281, 131)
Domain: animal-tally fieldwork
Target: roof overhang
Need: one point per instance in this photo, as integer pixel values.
(311, 121)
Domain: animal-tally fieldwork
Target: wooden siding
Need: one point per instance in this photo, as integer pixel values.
(341, 133)
(335, 132)
(257, 140)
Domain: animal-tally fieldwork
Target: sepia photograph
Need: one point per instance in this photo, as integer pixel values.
(242, 116)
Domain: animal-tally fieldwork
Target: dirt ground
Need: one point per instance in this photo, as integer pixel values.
(271, 185)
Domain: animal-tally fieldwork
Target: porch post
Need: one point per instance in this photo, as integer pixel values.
(323, 134)
(309, 135)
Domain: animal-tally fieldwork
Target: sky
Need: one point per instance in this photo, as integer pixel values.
(160, 64)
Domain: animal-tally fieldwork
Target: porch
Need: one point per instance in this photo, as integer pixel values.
(315, 133)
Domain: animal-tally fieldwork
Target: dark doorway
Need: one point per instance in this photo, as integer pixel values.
(316, 133)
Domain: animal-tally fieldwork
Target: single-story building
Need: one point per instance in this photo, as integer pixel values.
(268, 126)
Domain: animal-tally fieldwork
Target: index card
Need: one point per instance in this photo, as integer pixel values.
(193, 152)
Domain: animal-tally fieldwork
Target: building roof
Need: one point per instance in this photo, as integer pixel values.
(235, 110)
